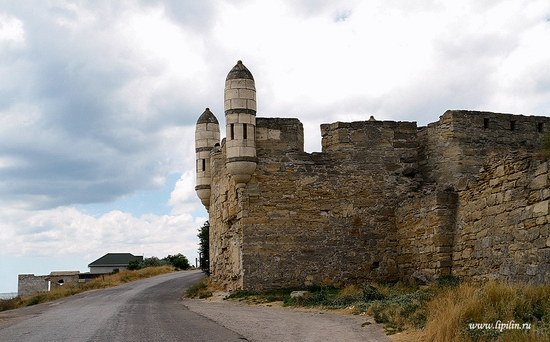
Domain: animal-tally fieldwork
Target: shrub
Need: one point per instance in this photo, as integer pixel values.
(204, 249)
(133, 265)
(179, 261)
(12, 303)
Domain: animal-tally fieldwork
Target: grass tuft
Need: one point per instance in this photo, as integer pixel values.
(199, 290)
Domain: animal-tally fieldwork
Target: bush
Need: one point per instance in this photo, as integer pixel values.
(179, 261)
(204, 249)
(12, 303)
(133, 265)
(153, 262)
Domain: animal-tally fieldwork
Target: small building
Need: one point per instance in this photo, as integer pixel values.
(29, 284)
(112, 261)
(63, 278)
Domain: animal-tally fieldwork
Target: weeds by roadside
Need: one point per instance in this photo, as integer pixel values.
(12, 303)
(109, 280)
(444, 311)
(199, 290)
(494, 311)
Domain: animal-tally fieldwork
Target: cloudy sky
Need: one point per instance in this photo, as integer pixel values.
(98, 100)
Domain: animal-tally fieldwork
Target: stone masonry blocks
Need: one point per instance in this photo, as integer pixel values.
(384, 200)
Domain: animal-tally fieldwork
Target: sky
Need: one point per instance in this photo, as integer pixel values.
(99, 99)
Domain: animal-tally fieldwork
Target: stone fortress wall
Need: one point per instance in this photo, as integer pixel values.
(383, 201)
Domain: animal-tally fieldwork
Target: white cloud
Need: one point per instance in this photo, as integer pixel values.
(103, 96)
(12, 32)
(183, 198)
(65, 231)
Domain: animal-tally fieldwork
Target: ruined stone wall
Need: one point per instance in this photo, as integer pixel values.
(29, 284)
(425, 232)
(226, 237)
(453, 149)
(319, 218)
(63, 279)
(382, 201)
(502, 228)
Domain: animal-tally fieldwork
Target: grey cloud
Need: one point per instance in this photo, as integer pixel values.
(196, 15)
(87, 145)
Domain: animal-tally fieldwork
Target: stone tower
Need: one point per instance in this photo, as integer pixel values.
(207, 135)
(240, 123)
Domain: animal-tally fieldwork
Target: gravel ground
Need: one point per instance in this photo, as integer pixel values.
(260, 323)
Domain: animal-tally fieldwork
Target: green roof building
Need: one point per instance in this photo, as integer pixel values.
(111, 261)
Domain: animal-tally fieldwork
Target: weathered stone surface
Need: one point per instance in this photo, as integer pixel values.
(298, 294)
(384, 201)
(518, 233)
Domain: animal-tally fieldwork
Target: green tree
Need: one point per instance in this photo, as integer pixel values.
(153, 262)
(134, 265)
(204, 250)
(178, 261)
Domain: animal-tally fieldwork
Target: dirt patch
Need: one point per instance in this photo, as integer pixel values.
(272, 322)
(408, 336)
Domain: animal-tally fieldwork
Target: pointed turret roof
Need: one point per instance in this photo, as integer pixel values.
(239, 71)
(207, 117)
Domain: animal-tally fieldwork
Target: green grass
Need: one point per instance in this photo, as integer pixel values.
(199, 290)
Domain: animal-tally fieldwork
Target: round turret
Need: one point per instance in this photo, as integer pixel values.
(207, 134)
(240, 123)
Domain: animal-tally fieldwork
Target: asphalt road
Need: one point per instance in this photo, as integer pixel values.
(144, 310)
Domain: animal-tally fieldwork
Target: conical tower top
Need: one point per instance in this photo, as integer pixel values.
(207, 117)
(239, 71)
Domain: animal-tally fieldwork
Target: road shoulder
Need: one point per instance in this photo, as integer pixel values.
(260, 323)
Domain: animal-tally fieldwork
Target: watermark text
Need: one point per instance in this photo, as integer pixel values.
(500, 326)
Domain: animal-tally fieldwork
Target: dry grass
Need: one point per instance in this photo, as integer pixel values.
(201, 290)
(451, 312)
(441, 312)
(97, 283)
